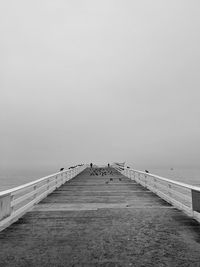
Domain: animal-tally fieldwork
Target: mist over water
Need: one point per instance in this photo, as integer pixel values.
(18, 177)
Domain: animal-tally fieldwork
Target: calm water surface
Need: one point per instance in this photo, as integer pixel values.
(188, 176)
(14, 178)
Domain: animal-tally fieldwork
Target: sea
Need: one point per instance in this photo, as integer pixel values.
(187, 175)
(13, 178)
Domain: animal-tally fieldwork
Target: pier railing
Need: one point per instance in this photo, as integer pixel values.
(17, 201)
(183, 196)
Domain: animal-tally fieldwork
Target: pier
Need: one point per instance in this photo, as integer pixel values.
(100, 217)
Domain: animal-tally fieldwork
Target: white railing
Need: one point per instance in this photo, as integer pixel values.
(183, 196)
(17, 201)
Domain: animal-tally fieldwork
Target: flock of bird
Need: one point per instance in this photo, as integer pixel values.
(103, 172)
(100, 171)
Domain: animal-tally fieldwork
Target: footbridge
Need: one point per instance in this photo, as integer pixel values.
(100, 216)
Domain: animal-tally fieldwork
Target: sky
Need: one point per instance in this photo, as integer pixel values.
(99, 81)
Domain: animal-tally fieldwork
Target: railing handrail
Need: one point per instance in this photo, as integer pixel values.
(20, 187)
(167, 180)
(15, 202)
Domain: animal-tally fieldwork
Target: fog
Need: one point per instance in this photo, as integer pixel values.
(99, 81)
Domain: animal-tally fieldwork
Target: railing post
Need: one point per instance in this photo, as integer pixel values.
(48, 185)
(139, 177)
(196, 204)
(145, 180)
(5, 206)
(35, 195)
(11, 199)
(155, 184)
(169, 189)
(56, 181)
(135, 176)
(62, 178)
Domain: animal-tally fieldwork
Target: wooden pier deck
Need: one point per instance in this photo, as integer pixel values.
(101, 221)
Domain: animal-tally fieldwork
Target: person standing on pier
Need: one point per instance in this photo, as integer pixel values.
(91, 165)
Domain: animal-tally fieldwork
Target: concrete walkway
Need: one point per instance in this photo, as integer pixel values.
(101, 221)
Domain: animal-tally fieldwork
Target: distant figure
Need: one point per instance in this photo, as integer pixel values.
(61, 169)
(91, 165)
(108, 165)
(146, 171)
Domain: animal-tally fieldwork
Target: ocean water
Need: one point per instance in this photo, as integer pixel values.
(15, 178)
(189, 176)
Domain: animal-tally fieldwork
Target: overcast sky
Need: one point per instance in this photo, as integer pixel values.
(99, 81)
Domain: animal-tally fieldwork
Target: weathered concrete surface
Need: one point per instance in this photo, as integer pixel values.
(88, 222)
